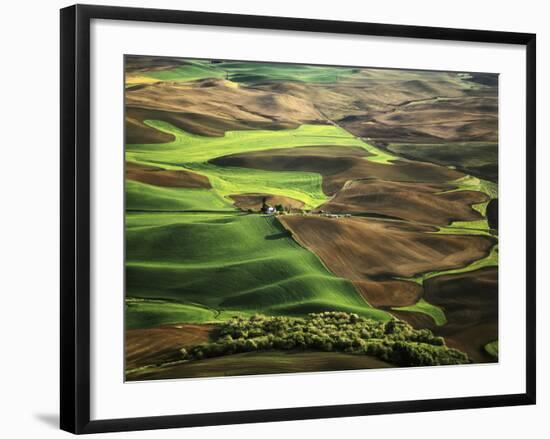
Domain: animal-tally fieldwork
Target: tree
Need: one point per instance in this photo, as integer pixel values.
(395, 341)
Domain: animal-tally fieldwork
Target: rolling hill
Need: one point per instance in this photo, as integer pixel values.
(228, 262)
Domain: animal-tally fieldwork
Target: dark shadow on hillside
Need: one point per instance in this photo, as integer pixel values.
(280, 235)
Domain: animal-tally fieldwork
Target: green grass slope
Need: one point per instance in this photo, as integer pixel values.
(303, 186)
(141, 196)
(423, 307)
(250, 72)
(147, 313)
(192, 70)
(253, 72)
(189, 148)
(223, 262)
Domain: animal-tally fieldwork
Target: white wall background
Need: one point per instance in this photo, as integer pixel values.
(29, 249)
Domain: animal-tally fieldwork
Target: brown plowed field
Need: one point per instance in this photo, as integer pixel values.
(470, 301)
(361, 249)
(140, 63)
(202, 124)
(269, 362)
(408, 201)
(210, 107)
(162, 343)
(388, 293)
(391, 106)
(161, 177)
(338, 165)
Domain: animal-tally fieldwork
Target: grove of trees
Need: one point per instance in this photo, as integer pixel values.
(395, 341)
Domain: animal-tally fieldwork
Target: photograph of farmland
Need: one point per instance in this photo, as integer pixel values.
(284, 218)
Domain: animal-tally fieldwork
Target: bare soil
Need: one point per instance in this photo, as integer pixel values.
(418, 202)
(160, 177)
(256, 363)
(367, 250)
(161, 344)
(338, 165)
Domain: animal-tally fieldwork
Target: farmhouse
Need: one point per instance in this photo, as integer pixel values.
(266, 208)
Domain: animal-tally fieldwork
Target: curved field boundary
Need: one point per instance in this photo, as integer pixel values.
(191, 70)
(193, 152)
(471, 183)
(251, 72)
(146, 197)
(147, 313)
(229, 263)
(422, 306)
(190, 148)
(491, 260)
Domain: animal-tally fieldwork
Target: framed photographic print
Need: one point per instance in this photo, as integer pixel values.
(268, 218)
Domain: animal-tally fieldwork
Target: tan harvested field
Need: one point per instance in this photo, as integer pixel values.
(417, 202)
(254, 201)
(372, 90)
(338, 165)
(161, 344)
(405, 106)
(386, 106)
(380, 104)
(139, 64)
(210, 107)
(458, 119)
(161, 177)
(202, 124)
(220, 98)
(362, 249)
(268, 362)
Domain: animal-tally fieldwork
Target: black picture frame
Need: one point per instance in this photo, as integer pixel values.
(75, 217)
